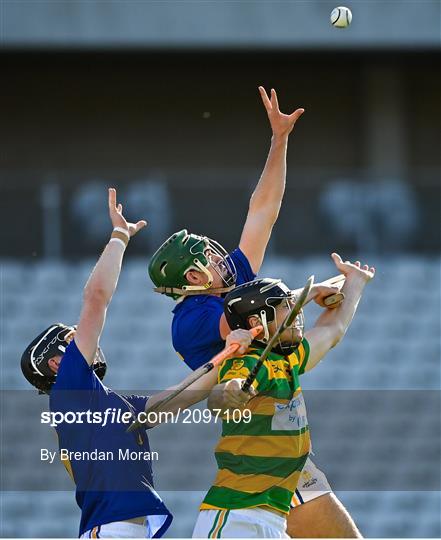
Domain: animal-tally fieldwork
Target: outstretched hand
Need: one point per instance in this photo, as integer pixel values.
(281, 124)
(117, 218)
(347, 268)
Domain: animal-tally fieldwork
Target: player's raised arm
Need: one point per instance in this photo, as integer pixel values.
(103, 280)
(267, 197)
(332, 324)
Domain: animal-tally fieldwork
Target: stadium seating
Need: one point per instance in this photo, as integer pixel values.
(392, 348)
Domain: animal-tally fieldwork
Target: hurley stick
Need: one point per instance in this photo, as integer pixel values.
(197, 374)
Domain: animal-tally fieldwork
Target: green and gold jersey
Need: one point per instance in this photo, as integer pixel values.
(260, 457)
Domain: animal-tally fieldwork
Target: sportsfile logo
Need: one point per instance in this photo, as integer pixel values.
(118, 416)
(109, 416)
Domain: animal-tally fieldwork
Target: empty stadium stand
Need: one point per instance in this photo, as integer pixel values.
(386, 369)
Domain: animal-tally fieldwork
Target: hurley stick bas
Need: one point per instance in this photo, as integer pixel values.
(333, 300)
(285, 324)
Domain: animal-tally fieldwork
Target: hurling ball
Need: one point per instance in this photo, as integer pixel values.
(341, 17)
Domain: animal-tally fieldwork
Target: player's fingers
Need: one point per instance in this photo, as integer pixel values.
(372, 270)
(337, 261)
(334, 300)
(112, 198)
(234, 401)
(254, 332)
(265, 99)
(296, 114)
(244, 397)
(357, 263)
(241, 349)
(252, 392)
(365, 267)
(235, 393)
(119, 208)
(140, 225)
(327, 289)
(274, 101)
(330, 291)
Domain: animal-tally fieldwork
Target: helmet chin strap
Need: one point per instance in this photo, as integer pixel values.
(189, 290)
(204, 270)
(265, 326)
(283, 350)
(206, 287)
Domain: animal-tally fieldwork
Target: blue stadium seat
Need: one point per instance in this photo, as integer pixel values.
(392, 344)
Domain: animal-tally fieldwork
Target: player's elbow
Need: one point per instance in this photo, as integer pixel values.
(263, 213)
(337, 333)
(96, 297)
(264, 207)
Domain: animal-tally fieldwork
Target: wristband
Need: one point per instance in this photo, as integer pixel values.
(123, 244)
(121, 234)
(123, 231)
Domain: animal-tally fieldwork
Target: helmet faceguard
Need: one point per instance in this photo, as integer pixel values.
(260, 298)
(183, 252)
(287, 346)
(52, 342)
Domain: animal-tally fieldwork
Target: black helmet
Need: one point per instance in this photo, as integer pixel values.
(260, 298)
(52, 342)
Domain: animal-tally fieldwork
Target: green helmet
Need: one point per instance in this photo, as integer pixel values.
(183, 252)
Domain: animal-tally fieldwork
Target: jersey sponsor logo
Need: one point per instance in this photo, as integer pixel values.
(237, 364)
(238, 369)
(279, 370)
(307, 479)
(290, 416)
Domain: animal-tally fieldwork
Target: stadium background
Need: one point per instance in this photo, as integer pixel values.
(160, 100)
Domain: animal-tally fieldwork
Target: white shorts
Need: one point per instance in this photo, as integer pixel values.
(243, 523)
(312, 484)
(126, 529)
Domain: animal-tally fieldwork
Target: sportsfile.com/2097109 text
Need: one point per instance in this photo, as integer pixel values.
(114, 416)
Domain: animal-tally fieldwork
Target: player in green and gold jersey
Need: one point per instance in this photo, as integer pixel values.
(261, 454)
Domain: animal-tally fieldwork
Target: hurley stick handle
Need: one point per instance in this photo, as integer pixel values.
(197, 374)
